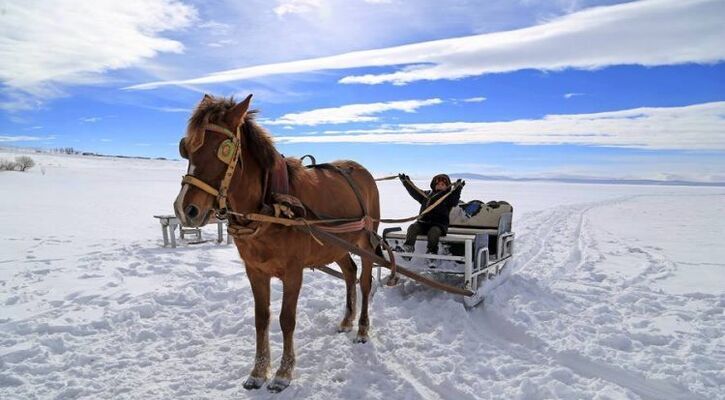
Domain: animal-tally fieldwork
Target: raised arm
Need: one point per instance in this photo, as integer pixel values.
(455, 197)
(414, 191)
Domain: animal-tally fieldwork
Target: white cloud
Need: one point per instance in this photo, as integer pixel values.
(694, 127)
(351, 112)
(474, 100)
(285, 7)
(91, 119)
(25, 138)
(570, 95)
(221, 43)
(173, 109)
(216, 28)
(52, 43)
(648, 32)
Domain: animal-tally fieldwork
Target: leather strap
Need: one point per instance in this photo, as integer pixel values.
(333, 239)
(192, 180)
(224, 187)
(219, 129)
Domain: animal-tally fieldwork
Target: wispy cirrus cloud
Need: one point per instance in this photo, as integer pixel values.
(21, 138)
(285, 7)
(351, 112)
(173, 109)
(647, 32)
(47, 45)
(573, 94)
(693, 127)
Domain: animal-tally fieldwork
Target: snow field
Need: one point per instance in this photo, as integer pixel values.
(615, 293)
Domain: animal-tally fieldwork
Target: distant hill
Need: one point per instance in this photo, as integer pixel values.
(566, 179)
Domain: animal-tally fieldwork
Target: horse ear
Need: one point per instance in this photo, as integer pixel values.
(206, 98)
(235, 116)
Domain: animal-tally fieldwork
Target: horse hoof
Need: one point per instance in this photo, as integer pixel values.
(277, 385)
(392, 280)
(253, 383)
(344, 328)
(361, 339)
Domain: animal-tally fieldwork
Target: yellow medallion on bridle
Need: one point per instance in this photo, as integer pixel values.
(226, 151)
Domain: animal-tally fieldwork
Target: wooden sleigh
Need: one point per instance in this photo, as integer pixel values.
(475, 252)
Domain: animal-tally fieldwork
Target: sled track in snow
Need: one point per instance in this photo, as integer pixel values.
(559, 267)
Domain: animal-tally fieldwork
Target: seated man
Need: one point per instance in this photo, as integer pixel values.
(435, 222)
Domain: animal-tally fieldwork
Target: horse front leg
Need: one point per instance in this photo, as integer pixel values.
(366, 280)
(349, 271)
(291, 284)
(260, 289)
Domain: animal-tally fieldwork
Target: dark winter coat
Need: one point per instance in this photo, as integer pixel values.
(438, 216)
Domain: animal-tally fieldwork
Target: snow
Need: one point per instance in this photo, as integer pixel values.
(615, 292)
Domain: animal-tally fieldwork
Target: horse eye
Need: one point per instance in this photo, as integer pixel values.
(182, 148)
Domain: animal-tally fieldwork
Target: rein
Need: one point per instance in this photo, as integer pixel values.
(352, 222)
(327, 228)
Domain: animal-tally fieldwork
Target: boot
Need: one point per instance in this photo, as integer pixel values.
(432, 263)
(408, 248)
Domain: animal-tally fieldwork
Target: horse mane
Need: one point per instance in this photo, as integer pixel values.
(212, 110)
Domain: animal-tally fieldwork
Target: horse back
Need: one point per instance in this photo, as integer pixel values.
(329, 194)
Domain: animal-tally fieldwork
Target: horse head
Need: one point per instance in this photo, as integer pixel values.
(213, 146)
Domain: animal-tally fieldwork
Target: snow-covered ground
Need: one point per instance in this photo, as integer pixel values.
(616, 293)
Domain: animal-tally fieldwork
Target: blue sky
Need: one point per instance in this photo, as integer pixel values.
(523, 88)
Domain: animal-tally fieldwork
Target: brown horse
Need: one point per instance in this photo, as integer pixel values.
(270, 250)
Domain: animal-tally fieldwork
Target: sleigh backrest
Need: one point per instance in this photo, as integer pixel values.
(479, 215)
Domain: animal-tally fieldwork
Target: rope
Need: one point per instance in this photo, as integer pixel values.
(321, 234)
(387, 178)
(426, 211)
(351, 224)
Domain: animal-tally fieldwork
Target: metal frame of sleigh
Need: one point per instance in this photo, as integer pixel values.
(474, 253)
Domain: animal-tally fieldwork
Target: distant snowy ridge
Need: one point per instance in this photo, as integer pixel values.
(569, 179)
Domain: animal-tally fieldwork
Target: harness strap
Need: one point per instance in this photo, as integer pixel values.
(224, 188)
(349, 180)
(192, 180)
(219, 129)
(278, 178)
(256, 217)
(337, 241)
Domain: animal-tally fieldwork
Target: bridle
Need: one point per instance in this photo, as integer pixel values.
(229, 152)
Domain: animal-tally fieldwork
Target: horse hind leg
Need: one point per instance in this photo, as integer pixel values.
(349, 271)
(366, 280)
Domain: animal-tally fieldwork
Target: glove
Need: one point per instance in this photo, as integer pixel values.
(403, 177)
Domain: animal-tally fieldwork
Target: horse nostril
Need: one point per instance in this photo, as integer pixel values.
(192, 211)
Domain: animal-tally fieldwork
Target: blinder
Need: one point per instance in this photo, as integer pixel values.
(226, 151)
(182, 149)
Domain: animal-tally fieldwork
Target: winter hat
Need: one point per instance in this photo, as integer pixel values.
(437, 177)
